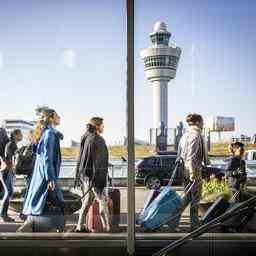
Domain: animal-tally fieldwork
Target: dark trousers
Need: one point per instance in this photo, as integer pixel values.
(6, 178)
(193, 198)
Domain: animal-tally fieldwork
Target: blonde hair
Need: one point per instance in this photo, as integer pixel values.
(45, 119)
(38, 130)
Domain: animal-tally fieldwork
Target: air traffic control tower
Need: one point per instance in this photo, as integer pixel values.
(160, 63)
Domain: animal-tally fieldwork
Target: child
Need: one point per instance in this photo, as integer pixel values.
(236, 169)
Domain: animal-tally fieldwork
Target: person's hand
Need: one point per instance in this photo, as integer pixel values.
(51, 185)
(191, 177)
(3, 165)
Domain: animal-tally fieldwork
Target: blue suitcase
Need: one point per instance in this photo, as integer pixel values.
(166, 208)
(149, 199)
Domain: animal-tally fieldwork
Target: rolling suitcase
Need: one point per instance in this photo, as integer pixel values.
(216, 209)
(93, 220)
(166, 207)
(52, 218)
(149, 199)
(115, 195)
(238, 222)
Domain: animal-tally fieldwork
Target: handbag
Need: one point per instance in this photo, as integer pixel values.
(71, 207)
(53, 206)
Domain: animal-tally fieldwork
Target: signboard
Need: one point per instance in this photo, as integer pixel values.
(221, 124)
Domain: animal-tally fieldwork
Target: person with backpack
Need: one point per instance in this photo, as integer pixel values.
(7, 173)
(92, 173)
(24, 163)
(236, 170)
(25, 158)
(4, 139)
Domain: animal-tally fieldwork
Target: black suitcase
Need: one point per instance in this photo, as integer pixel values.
(115, 196)
(217, 208)
(239, 221)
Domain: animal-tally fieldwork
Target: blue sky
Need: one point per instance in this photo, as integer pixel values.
(71, 55)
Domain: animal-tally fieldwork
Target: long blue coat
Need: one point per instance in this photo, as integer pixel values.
(47, 168)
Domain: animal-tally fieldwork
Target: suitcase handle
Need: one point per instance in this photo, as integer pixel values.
(108, 183)
(189, 187)
(233, 198)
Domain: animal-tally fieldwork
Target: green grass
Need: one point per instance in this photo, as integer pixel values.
(218, 149)
(222, 148)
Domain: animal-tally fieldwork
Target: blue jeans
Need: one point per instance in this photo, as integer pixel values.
(6, 178)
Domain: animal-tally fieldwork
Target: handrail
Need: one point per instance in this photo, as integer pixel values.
(204, 228)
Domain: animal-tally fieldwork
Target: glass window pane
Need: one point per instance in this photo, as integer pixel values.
(69, 56)
(199, 67)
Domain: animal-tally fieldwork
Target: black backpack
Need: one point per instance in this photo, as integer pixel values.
(4, 139)
(24, 160)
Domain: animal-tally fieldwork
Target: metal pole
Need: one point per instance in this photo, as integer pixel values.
(130, 129)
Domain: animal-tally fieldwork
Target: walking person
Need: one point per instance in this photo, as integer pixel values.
(25, 159)
(92, 173)
(24, 164)
(192, 153)
(7, 173)
(236, 170)
(4, 139)
(46, 171)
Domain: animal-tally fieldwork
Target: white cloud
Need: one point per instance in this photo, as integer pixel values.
(69, 57)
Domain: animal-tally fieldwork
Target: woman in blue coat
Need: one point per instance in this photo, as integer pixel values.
(46, 172)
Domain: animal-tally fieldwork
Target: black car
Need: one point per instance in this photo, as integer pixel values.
(156, 171)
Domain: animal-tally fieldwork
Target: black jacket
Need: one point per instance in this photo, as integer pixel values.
(93, 160)
(235, 172)
(10, 150)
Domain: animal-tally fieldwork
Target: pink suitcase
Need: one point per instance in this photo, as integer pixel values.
(93, 220)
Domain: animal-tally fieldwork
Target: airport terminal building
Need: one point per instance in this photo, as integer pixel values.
(12, 124)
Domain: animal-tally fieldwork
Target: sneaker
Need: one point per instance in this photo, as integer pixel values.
(82, 230)
(7, 219)
(22, 217)
(26, 227)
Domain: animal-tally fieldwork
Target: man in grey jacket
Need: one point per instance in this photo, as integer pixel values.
(192, 152)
